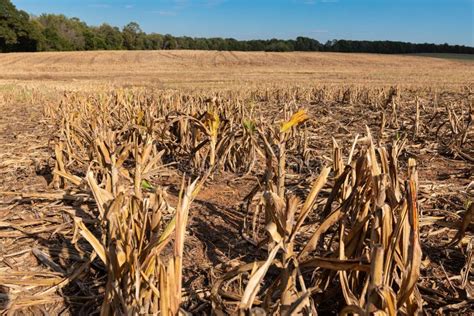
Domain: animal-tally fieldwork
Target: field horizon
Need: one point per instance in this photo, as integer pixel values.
(170, 69)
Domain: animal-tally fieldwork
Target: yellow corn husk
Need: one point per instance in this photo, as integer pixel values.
(296, 119)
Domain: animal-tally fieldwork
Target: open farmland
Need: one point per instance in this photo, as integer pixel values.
(170, 69)
(139, 182)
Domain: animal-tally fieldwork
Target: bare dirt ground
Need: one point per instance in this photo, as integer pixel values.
(24, 156)
(34, 256)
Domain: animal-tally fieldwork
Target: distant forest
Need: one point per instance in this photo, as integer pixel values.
(21, 32)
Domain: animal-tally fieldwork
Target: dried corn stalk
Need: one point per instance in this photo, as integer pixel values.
(362, 239)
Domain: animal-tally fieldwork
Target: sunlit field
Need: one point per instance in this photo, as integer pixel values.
(252, 183)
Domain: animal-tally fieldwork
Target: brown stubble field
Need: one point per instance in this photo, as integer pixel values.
(171, 69)
(360, 202)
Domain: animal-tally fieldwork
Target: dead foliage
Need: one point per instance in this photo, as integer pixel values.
(351, 221)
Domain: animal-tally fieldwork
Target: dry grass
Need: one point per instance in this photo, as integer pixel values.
(169, 69)
(335, 198)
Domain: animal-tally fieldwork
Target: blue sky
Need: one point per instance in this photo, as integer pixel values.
(435, 21)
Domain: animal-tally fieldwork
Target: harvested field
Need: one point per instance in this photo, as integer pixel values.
(227, 183)
(170, 69)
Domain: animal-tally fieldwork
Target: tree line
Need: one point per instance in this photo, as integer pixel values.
(21, 32)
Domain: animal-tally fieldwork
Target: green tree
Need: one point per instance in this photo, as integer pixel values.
(133, 36)
(276, 45)
(20, 32)
(201, 44)
(93, 40)
(185, 42)
(16, 31)
(153, 41)
(306, 44)
(63, 33)
(112, 36)
(169, 42)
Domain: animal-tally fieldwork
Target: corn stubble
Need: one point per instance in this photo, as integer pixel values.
(365, 242)
(135, 221)
(352, 234)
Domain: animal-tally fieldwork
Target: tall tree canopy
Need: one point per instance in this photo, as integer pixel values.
(17, 33)
(52, 32)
